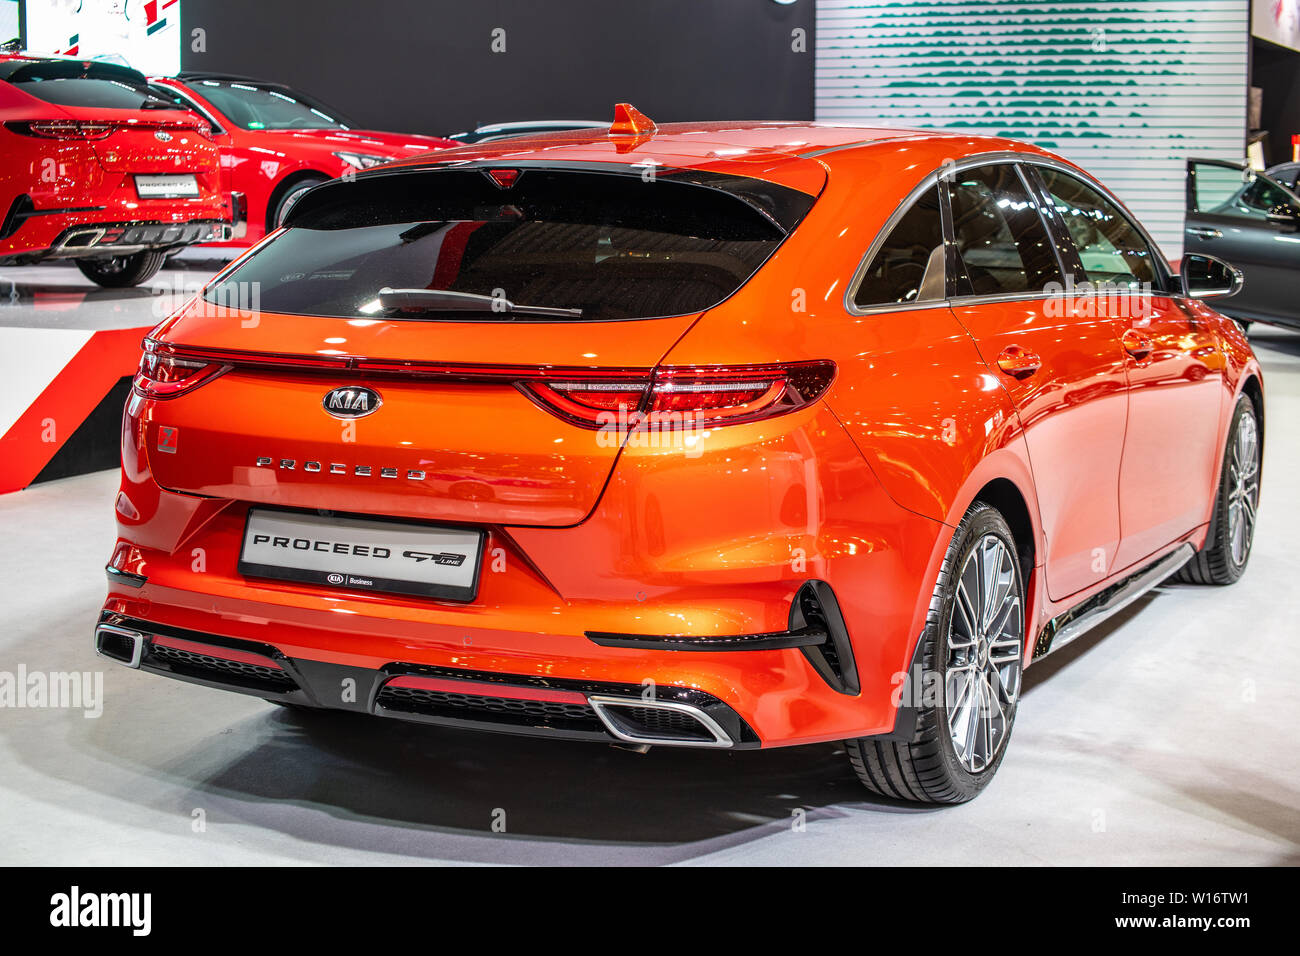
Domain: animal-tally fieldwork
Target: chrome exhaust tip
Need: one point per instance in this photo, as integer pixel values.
(662, 723)
(119, 644)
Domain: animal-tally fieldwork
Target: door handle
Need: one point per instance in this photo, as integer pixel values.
(1204, 232)
(1138, 344)
(1019, 362)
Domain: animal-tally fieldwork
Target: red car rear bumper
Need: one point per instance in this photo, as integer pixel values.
(537, 619)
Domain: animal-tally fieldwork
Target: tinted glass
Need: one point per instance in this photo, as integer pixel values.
(1222, 191)
(1002, 244)
(1288, 176)
(257, 107)
(181, 102)
(114, 94)
(1111, 248)
(614, 247)
(908, 267)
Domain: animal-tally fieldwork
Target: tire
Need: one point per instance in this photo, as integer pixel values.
(287, 201)
(122, 272)
(936, 765)
(1226, 551)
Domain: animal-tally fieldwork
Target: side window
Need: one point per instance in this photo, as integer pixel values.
(1002, 244)
(908, 266)
(1226, 191)
(1288, 176)
(1110, 247)
(1261, 196)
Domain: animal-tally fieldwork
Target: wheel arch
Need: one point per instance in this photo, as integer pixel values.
(295, 178)
(1252, 386)
(1004, 495)
(1004, 481)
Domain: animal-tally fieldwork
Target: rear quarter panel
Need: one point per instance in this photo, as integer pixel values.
(931, 420)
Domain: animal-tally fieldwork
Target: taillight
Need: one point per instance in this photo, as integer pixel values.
(164, 374)
(62, 129)
(685, 397)
(728, 396)
(590, 404)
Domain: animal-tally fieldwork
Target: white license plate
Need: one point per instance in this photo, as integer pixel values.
(167, 187)
(359, 554)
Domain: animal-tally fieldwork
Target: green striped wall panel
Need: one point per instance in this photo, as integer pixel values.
(1128, 89)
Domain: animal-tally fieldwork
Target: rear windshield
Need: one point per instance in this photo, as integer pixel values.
(602, 246)
(86, 85)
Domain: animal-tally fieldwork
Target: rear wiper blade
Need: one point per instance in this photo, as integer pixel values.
(445, 300)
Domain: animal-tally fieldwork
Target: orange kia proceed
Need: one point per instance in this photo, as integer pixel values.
(721, 435)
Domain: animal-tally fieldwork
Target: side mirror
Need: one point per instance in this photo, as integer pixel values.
(1285, 215)
(1205, 277)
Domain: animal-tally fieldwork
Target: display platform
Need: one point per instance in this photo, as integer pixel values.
(68, 349)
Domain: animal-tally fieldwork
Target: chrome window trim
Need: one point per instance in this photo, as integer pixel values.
(1037, 197)
(903, 208)
(1035, 296)
(1158, 260)
(990, 159)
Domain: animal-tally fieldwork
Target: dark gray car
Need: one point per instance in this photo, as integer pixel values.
(1252, 221)
(1288, 174)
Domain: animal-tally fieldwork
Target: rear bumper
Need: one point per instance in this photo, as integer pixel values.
(117, 224)
(90, 240)
(597, 711)
(127, 238)
(686, 575)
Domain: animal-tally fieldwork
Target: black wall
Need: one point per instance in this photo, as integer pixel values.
(1277, 70)
(428, 65)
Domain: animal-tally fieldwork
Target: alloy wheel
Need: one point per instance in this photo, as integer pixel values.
(985, 638)
(1243, 489)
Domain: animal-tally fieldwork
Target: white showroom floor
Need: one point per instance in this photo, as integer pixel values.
(1166, 737)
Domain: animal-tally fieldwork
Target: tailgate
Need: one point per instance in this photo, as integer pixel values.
(471, 306)
(436, 448)
(163, 141)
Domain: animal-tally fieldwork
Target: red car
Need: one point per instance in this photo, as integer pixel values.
(277, 143)
(95, 168)
(710, 435)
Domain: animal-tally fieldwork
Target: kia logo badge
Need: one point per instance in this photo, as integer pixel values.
(162, 136)
(351, 402)
(334, 578)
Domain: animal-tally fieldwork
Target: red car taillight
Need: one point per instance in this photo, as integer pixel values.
(687, 397)
(589, 404)
(62, 129)
(164, 374)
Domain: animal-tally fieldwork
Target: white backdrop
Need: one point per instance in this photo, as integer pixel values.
(136, 33)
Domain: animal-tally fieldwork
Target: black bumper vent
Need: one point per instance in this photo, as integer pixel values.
(535, 713)
(814, 606)
(219, 669)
